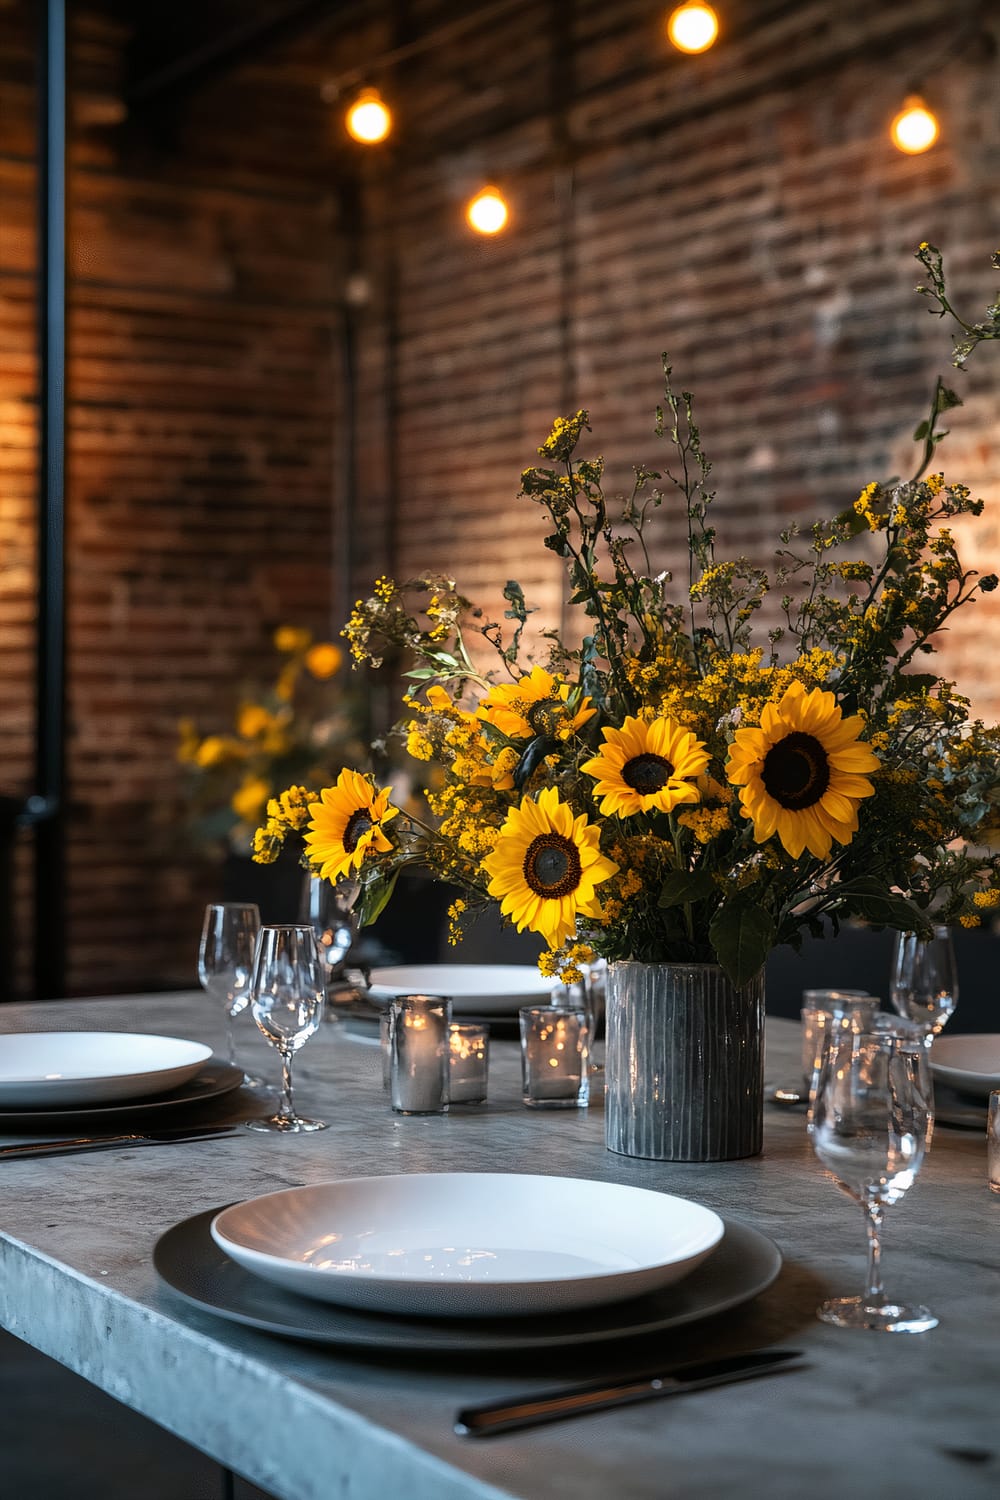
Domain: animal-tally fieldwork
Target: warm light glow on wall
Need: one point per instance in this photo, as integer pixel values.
(914, 129)
(693, 27)
(487, 212)
(368, 119)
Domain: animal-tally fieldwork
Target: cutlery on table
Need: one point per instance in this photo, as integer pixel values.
(175, 1136)
(574, 1400)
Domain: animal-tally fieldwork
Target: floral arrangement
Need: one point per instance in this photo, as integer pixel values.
(302, 727)
(711, 765)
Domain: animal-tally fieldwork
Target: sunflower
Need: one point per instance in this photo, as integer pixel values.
(802, 773)
(643, 765)
(546, 866)
(345, 825)
(535, 704)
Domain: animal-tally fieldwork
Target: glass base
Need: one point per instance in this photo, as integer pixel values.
(884, 1317)
(276, 1125)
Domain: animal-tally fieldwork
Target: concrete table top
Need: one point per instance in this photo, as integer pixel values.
(894, 1416)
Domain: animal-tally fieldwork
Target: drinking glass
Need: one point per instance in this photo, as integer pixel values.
(225, 959)
(287, 988)
(871, 1125)
(329, 911)
(924, 985)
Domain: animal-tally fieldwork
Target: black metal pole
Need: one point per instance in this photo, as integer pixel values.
(46, 806)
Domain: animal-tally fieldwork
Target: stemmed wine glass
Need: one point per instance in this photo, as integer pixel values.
(287, 989)
(924, 985)
(329, 911)
(225, 959)
(871, 1125)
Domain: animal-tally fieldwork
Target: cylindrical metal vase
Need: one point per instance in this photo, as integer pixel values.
(684, 1073)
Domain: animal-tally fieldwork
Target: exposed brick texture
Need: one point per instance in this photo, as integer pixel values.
(743, 211)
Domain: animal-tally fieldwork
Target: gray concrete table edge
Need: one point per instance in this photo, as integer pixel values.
(127, 1349)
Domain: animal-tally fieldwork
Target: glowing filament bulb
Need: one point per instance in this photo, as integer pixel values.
(693, 27)
(487, 211)
(368, 119)
(914, 129)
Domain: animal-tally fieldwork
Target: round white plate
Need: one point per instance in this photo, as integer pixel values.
(457, 1244)
(479, 989)
(56, 1069)
(211, 1082)
(745, 1264)
(970, 1064)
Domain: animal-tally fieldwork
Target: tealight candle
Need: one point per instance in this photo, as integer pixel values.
(419, 1056)
(555, 1056)
(469, 1047)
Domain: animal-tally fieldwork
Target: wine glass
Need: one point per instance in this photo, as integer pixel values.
(924, 985)
(329, 911)
(225, 959)
(287, 989)
(872, 1118)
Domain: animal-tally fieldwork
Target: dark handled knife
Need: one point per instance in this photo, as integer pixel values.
(176, 1135)
(574, 1400)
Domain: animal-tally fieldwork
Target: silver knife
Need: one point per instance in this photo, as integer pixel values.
(574, 1400)
(176, 1135)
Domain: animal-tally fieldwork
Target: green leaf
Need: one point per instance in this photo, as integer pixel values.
(681, 888)
(375, 896)
(742, 935)
(868, 898)
(534, 753)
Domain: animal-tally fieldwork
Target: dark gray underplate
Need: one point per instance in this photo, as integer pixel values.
(953, 1108)
(212, 1081)
(189, 1261)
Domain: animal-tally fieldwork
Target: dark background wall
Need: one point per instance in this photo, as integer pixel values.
(743, 211)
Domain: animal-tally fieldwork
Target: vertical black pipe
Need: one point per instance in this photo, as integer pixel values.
(47, 804)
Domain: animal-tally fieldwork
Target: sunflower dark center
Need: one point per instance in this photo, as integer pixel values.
(647, 773)
(358, 825)
(552, 865)
(796, 771)
(543, 717)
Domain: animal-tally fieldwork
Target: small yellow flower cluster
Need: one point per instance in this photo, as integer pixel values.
(987, 900)
(456, 912)
(286, 814)
(706, 823)
(564, 437)
(568, 964)
(863, 505)
(969, 920)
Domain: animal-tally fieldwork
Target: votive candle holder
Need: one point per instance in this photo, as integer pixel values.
(469, 1049)
(555, 1057)
(420, 1060)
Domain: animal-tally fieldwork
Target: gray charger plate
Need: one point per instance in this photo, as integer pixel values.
(954, 1108)
(214, 1080)
(189, 1261)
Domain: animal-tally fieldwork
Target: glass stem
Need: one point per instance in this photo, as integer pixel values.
(230, 1042)
(286, 1110)
(874, 1213)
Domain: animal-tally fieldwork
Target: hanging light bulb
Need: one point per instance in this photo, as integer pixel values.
(693, 27)
(487, 212)
(914, 129)
(368, 120)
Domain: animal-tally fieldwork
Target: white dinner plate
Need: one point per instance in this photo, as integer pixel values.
(477, 989)
(192, 1265)
(457, 1244)
(57, 1069)
(970, 1064)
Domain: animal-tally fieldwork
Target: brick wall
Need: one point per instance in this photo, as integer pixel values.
(742, 211)
(201, 426)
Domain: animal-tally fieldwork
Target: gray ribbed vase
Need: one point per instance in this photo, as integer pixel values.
(685, 1063)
